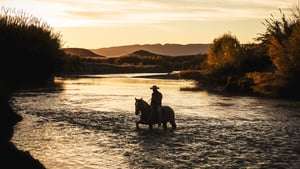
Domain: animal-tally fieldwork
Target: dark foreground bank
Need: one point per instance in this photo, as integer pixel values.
(11, 157)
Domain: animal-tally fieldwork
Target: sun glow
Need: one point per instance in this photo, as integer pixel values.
(100, 23)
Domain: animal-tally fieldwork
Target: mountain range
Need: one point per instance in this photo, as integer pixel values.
(162, 49)
(81, 52)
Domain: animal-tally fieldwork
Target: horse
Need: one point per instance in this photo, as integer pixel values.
(144, 109)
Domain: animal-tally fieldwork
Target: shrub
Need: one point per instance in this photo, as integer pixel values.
(223, 54)
(30, 48)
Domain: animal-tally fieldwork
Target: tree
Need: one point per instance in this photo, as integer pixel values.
(224, 54)
(293, 51)
(282, 42)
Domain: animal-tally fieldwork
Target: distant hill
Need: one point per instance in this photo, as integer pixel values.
(166, 49)
(138, 61)
(143, 53)
(164, 63)
(81, 52)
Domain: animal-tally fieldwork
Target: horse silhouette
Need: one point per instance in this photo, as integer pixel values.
(148, 118)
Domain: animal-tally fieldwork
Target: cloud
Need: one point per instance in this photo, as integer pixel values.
(113, 12)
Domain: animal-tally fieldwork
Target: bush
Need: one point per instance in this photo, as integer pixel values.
(30, 49)
(223, 54)
(267, 84)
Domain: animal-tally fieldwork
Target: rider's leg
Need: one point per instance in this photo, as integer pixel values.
(159, 115)
(151, 116)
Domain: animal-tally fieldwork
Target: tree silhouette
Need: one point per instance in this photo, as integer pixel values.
(29, 49)
(282, 43)
(223, 54)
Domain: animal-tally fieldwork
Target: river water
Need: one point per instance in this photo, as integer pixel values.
(88, 122)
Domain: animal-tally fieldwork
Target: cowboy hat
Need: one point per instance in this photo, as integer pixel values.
(154, 87)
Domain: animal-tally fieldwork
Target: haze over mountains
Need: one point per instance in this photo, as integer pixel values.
(165, 49)
(81, 52)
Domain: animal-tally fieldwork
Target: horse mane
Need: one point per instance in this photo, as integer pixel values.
(144, 102)
(145, 105)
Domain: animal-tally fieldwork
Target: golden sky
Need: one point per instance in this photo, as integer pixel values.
(103, 23)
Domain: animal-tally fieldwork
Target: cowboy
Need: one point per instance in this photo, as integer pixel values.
(156, 100)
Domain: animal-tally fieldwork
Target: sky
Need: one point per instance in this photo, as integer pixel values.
(94, 24)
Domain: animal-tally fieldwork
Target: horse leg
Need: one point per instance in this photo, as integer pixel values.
(165, 125)
(150, 126)
(172, 119)
(173, 124)
(137, 125)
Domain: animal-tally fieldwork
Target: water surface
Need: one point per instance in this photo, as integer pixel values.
(89, 123)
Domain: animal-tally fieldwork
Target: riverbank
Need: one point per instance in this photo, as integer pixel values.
(10, 155)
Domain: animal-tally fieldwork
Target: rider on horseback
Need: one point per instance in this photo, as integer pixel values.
(156, 101)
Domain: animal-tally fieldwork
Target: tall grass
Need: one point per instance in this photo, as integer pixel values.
(29, 47)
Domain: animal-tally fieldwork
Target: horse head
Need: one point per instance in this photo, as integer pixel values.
(138, 105)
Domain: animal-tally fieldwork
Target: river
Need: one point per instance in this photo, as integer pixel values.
(88, 122)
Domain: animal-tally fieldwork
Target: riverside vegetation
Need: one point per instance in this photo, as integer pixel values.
(29, 53)
(270, 67)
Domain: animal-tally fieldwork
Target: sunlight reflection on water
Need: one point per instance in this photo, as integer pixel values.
(91, 124)
(117, 94)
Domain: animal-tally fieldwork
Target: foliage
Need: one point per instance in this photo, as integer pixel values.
(223, 54)
(270, 68)
(255, 59)
(266, 83)
(282, 42)
(30, 49)
(293, 52)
